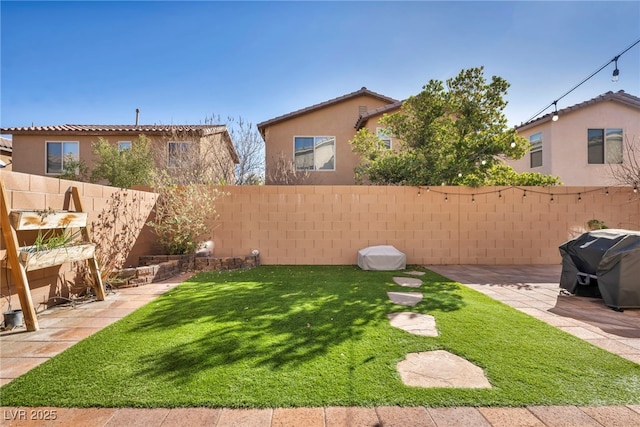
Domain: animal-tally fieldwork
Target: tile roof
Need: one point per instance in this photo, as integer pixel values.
(621, 96)
(113, 129)
(362, 91)
(362, 120)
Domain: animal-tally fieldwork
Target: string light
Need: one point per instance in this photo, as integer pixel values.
(525, 192)
(555, 113)
(616, 73)
(473, 198)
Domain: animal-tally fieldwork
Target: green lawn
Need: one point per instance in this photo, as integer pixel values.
(281, 336)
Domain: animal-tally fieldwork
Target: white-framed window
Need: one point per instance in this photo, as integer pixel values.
(385, 136)
(177, 153)
(536, 150)
(124, 145)
(315, 153)
(59, 152)
(604, 146)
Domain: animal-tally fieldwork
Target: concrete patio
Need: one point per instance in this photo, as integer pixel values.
(531, 289)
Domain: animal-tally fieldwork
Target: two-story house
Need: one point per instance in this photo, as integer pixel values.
(316, 139)
(586, 144)
(43, 150)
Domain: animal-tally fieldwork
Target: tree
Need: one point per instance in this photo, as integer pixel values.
(123, 168)
(248, 145)
(183, 212)
(285, 172)
(448, 135)
(628, 171)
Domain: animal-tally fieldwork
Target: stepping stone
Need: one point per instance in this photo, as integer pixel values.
(405, 298)
(414, 323)
(416, 273)
(440, 369)
(408, 282)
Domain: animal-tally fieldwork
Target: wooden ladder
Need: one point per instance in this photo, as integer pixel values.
(19, 263)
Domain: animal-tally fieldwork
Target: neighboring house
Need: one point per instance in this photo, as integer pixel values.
(42, 150)
(588, 143)
(5, 153)
(316, 138)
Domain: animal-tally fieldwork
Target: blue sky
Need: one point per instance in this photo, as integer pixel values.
(181, 62)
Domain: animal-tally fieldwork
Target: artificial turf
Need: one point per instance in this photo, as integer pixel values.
(291, 336)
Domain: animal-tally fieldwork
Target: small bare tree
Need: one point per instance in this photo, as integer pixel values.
(249, 147)
(628, 172)
(203, 158)
(284, 172)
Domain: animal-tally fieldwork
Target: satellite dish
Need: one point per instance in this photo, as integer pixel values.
(2, 164)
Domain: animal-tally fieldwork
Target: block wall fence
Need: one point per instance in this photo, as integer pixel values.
(329, 224)
(26, 191)
(437, 226)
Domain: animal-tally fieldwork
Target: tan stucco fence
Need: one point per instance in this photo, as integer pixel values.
(329, 224)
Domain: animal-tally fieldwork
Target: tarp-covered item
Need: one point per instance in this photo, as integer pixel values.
(607, 258)
(381, 258)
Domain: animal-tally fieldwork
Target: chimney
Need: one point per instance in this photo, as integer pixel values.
(137, 115)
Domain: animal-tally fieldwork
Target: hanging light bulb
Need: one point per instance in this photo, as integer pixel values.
(513, 145)
(555, 112)
(616, 72)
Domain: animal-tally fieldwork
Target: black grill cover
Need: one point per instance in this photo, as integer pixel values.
(613, 257)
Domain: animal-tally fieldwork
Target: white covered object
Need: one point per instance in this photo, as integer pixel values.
(381, 258)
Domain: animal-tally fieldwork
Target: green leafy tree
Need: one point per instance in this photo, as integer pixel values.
(454, 134)
(123, 168)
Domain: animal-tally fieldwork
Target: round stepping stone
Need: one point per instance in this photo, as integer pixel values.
(409, 282)
(414, 323)
(441, 369)
(405, 298)
(416, 273)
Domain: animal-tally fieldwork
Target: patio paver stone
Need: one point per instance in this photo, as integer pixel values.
(405, 298)
(409, 282)
(414, 323)
(441, 369)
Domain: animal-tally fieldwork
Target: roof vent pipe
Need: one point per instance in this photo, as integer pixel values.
(137, 115)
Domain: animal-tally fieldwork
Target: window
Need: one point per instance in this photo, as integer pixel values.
(177, 153)
(315, 152)
(124, 145)
(58, 152)
(604, 146)
(385, 135)
(536, 149)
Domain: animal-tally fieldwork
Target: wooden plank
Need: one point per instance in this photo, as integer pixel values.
(35, 220)
(17, 270)
(93, 263)
(35, 260)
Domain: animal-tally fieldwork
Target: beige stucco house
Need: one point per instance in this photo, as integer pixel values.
(42, 150)
(588, 143)
(315, 140)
